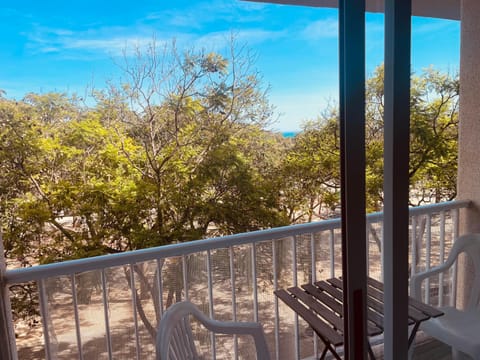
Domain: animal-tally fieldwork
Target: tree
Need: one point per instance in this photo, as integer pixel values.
(310, 171)
(311, 166)
(434, 135)
(194, 116)
(187, 113)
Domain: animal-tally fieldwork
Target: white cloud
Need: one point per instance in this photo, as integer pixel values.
(189, 26)
(328, 28)
(250, 37)
(49, 49)
(99, 42)
(325, 28)
(201, 13)
(115, 45)
(112, 41)
(434, 26)
(251, 6)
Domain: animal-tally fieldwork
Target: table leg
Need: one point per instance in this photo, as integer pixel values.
(327, 348)
(324, 352)
(412, 334)
(371, 355)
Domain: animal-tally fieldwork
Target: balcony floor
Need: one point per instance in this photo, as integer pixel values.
(432, 349)
(426, 348)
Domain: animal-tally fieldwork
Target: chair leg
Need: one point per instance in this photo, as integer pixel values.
(458, 355)
(411, 350)
(412, 339)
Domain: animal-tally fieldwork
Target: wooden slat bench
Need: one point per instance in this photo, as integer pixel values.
(321, 306)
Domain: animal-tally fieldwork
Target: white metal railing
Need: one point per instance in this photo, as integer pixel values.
(109, 306)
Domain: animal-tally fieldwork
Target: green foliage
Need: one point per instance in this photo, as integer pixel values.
(310, 171)
(434, 134)
(433, 137)
(169, 155)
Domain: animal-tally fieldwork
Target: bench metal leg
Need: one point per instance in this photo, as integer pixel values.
(328, 348)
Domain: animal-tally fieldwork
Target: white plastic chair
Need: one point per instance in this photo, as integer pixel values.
(458, 328)
(175, 338)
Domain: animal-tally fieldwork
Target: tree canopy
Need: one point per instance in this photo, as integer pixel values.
(179, 150)
(310, 170)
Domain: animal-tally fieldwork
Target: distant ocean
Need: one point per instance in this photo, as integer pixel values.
(289, 134)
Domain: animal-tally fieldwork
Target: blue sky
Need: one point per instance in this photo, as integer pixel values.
(67, 46)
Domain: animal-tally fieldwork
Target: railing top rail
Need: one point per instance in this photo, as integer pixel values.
(426, 209)
(34, 273)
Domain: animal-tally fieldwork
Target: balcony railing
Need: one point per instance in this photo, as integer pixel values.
(108, 306)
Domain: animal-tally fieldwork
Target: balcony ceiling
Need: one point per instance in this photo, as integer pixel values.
(444, 9)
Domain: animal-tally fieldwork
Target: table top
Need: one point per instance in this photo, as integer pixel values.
(320, 305)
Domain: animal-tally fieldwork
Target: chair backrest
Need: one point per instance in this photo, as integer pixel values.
(175, 337)
(470, 245)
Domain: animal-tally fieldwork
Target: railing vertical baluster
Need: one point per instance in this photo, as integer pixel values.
(428, 254)
(254, 282)
(313, 251)
(275, 287)
(44, 313)
(295, 283)
(185, 277)
(210, 300)
(160, 286)
(77, 318)
(134, 305)
(453, 299)
(332, 252)
(105, 312)
(234, 297)
(8, 347)
(442, 257)
(413, 265)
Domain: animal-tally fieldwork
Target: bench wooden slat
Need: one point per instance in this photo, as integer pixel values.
(321, 328)
(375, 325)
(329, 289)
(375, 315)
(375, 300)
(375, 289)
(426, 309)
(336, 282)
(320, 305)
(327, 300)
(320, 309)
(375, 283)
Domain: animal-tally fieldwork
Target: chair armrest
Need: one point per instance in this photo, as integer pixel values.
(242, 328)
(254, 329)
(239, 328)
(416, 280)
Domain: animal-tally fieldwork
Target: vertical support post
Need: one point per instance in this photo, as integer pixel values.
(8, 349)
(468, 186)
(352, 153)
(396, 161)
